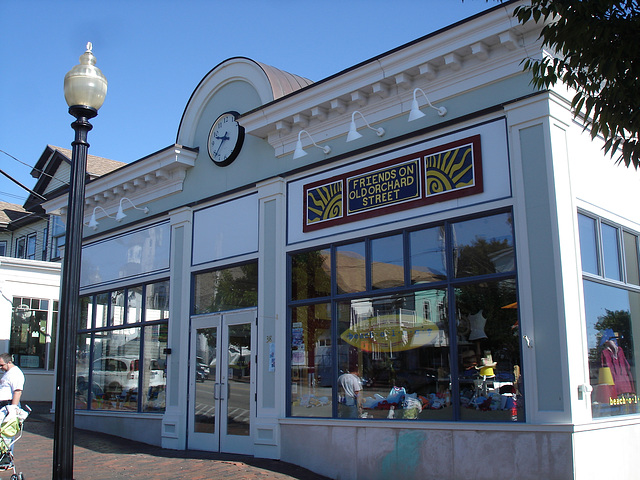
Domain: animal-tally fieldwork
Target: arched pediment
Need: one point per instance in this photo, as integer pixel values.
(269, 83)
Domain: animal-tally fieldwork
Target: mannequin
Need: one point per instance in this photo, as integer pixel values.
(477, 323)
(613, 357)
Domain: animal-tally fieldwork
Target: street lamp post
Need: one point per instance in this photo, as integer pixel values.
(84, 89)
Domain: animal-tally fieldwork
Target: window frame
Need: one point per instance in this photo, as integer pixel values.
(21, 247)
(58, 234)
(30, 250)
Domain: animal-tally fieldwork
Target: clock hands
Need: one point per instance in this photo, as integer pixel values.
(225, 139)
(222, 138)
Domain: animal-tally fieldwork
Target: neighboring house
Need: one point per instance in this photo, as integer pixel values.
(31, 246)
(478, 267)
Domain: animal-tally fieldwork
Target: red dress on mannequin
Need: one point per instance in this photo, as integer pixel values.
(613, 357)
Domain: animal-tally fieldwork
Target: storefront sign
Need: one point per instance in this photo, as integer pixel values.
(383, 187)
(443, 173)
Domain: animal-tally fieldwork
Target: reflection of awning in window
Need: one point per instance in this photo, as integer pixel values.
(392, 338)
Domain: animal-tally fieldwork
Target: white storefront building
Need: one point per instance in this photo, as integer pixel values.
(476, 266)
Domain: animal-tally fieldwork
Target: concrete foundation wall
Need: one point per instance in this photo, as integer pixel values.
(39, 386)
(355, 452)
(141, 428)
(608, 450)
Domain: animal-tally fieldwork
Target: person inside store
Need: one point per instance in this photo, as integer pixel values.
(351, 386)
(12, 382)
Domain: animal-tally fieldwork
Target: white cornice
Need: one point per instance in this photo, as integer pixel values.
(460, 58)
(165, 171)
(32, 266)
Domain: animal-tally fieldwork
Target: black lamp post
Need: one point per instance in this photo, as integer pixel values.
(84, 89)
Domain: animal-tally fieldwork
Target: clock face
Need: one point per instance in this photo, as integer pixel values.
(225, 139)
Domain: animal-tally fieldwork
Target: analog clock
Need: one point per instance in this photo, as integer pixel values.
(225, 139)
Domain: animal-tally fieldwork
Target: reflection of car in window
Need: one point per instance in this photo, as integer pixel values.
(117, 375)
(202, 370)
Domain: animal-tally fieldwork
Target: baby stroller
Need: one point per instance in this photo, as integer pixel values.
(11, 420)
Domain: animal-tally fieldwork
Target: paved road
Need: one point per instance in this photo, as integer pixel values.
(105, 457)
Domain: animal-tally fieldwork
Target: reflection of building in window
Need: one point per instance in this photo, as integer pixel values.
(32, 324)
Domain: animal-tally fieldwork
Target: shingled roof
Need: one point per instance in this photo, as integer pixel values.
(48, 164)
(10, 212)
(96, 166)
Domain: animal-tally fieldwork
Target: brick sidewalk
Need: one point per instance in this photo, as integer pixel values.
(104, 457)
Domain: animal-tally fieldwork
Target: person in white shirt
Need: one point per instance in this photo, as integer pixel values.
(11, 383)
(352, 388)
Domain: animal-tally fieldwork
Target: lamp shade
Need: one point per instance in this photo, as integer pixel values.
(85, 84)
(415, 112)
(605, 377)
(353, 132)
(299, 151)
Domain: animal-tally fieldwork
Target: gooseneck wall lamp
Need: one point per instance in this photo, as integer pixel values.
(415, 109)
(299, 151)
(85, 88)
(93, 223)
(353, 130)
(120, 215)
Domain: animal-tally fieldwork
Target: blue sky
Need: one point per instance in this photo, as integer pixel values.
(154, 54)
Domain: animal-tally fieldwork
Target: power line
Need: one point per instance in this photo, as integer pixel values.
(21, 185)
(19, 197)
(40, 172)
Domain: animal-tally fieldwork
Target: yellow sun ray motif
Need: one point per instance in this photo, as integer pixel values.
(324, 202)
(450, 170)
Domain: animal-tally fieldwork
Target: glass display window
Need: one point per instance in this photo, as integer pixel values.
(588, 244)
(122, 364)
(489, 367)
(311, 274)
(351, 268)
(612, 315)
(224, 289)
(311, 361)
(33, 328)
(387, 262)
(483, 246)
(156, 301)
(398, 346)
(401, 337)
(427, 254)
(117, 308)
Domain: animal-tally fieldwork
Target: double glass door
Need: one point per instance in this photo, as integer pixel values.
(222, 382)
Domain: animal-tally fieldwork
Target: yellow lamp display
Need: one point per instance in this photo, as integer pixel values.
(605, 377)
(605, 391)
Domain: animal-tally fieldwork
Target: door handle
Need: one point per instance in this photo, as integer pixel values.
(215, 390)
